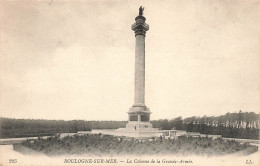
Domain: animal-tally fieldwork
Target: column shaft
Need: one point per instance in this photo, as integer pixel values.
(140, 70)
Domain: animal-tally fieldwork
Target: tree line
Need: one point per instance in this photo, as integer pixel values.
(12, 128)
(234, 125)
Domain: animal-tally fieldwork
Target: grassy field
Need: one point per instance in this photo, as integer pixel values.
(109, 145)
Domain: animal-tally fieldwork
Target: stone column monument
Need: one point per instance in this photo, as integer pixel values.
(139, 114)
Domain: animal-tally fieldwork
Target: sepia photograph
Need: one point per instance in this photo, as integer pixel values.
(122, 82)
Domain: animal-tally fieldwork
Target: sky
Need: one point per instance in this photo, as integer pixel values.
(75, 59)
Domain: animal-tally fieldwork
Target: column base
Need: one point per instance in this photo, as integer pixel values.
(139, 117)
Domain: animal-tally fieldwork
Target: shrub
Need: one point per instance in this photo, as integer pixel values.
(106, 144)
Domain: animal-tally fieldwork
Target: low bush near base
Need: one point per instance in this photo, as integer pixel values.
(109, 145)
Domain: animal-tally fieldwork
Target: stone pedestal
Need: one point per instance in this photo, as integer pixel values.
(139, 117)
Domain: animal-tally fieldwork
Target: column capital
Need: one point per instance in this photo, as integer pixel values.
(140, 27)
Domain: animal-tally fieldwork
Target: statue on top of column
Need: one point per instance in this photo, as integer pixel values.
(141, 11)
